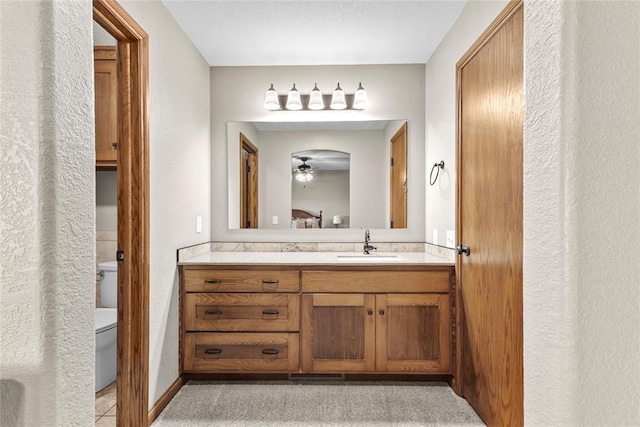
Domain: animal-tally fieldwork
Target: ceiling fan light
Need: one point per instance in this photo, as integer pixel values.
(338, 101)
(293, 100)
(315, 99)
(361, 101)
(271, 101)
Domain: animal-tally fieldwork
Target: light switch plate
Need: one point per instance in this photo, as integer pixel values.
(435, 236)
(274, 220)
(198, 224)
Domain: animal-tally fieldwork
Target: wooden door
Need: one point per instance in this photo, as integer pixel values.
(338, 333)
(248, 183)
(413, 333)
(106, 106)
(489, 219)
(399, 178)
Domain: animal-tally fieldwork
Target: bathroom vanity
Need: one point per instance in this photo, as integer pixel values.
(309, 312)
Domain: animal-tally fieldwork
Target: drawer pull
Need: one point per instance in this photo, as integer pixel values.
(212, 351)
(212, 281)
(270, 281)
(270, 352)
(270, 312)
(213, 312)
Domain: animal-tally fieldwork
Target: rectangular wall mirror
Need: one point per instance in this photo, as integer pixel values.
(306, 175)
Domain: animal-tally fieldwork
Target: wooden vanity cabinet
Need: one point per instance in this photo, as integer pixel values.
(240, 320)
(376, 331)
(285, 319)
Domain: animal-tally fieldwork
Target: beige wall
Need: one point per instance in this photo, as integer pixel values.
(47, 218)
(581, 204)
(440, 113)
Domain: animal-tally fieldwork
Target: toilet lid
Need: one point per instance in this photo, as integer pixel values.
(106, 318)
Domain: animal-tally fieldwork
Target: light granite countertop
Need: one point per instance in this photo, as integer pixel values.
(317, 258)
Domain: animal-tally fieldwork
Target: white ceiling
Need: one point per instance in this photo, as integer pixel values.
(318, 32)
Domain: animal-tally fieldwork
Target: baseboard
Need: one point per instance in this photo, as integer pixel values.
(166, 397)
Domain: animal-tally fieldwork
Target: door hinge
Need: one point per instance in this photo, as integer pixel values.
(392, 161)
(248, 169)
(119, 255)
(391, 224)
(247, 224)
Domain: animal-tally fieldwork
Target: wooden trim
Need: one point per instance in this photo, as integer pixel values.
(511, 8)
(104, 52)
(166, 397)
(133, 211)
(248, 184)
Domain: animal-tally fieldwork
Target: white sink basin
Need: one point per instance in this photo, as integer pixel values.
(369, 258)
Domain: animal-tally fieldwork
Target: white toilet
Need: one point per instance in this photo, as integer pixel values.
(106, 325)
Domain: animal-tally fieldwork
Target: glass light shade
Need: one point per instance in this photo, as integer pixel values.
(271, 101)
(315, 99)
(304, 176)
(338, 101)
(293, 100)
(337, 219)
(361, 101)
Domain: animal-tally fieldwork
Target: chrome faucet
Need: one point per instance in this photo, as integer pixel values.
(367, 246)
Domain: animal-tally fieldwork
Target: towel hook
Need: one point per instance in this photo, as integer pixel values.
(436, 167)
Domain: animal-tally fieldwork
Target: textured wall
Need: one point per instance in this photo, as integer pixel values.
(581, 227)
(440, 112)
(47, 213)
(395, 92)
(179, 174)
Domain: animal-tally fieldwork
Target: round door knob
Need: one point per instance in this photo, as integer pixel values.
(464, 250)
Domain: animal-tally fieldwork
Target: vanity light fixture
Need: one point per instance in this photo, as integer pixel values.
(316, 100)
(338, 101)
(361, 100)
(293, 100)
(271, 101)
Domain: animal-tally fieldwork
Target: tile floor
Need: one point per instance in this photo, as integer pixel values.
(106, 406)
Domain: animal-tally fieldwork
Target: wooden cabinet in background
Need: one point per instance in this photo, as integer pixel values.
(106, 106)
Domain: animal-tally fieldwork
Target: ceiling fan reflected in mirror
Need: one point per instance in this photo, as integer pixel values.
(304, 173)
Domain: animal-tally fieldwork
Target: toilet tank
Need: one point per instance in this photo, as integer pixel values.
(108, 283)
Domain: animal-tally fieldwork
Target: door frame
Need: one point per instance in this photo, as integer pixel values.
(133, 211)
(394, 164)
(248, 196)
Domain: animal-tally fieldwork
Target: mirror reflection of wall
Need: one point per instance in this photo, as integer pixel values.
(320, 186)
(367, 185)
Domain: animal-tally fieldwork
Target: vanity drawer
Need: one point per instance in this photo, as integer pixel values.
(247, 352)
(241, 312)
(212, 280)
(376, 281)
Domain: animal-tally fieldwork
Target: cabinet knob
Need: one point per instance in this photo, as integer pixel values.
(369, 312)
(114, 145)
(381, 312)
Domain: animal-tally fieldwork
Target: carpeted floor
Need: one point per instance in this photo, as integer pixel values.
(316, 404)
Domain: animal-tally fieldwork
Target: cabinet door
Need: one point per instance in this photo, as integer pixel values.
(413, 333)
(106, 107)
(338, 333)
